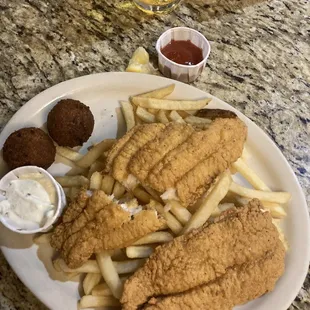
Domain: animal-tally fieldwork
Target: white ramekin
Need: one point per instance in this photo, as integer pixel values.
(174, 70)
(61, 198)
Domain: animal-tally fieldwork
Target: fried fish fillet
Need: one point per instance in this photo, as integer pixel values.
(116, 148)
(142, 135)
(240, 237)
(236, 287)
(176, 156)
(101, 224)
(153, 152)
(222, 137)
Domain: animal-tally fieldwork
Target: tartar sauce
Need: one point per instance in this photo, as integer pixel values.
(30, 201)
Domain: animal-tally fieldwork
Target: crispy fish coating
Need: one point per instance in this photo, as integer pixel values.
(96, 237)
(117, 147)
(102, 225)
(197, 181)
(142, 136)
(70, 214)
(177, 156)
(240, 237)
(197, 148)
(76, 207)
(237, 286)
(147, 157)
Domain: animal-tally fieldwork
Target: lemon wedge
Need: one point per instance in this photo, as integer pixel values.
(140, 62)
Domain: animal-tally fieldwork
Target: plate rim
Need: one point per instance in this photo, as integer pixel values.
(77, 84)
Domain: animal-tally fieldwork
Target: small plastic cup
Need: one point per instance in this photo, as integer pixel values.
(171, 69)
(60, 203)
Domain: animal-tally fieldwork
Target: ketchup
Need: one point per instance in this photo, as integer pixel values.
(183, 52)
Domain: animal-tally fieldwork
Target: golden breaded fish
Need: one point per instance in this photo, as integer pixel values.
(153, 152)
(142, 135)
(179, 269)
(101, 225)
(178, 157)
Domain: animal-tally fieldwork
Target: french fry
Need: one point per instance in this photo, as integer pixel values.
(42, 239)
(90, 281)
(246, 154)
(221, 208)
(161, 117)
(183, 114)
(141, 195)
(145, 116)
(172, 222)
(76, 171)
(90, 301)
(63, 160)
(57, 265)
(216, 212)
(118, 254)
(276, 223)
(153, 111)
(250, 175)
(181, 213)
(72, 181)
(74, 192)
(101, 290)
(158, 93)
(109, 273)
(277, 197)
(176, 117)
(232, 170)
(68, 153)
(164, 104)
(118, 190)
(95, 181)
(128, 113)
(192, 209)
(70, 275)
(275, 209)
(240, 165)
(91, 266)
(89, 158)
(107, 184)
(129, 266)
(139, 251)
(155, 237)
(209, 204)
(194, 120)
(153, 193)
(96, 166)
(138, 120)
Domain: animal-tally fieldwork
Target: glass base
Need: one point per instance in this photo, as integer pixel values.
(156, 9)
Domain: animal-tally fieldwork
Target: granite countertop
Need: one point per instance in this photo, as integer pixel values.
(260, 63)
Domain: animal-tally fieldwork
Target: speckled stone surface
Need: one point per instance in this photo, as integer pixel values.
(260, 63)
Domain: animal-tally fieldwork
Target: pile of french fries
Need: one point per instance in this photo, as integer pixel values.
(105, 275)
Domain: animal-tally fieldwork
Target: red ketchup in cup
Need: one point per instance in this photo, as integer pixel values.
(183, 52)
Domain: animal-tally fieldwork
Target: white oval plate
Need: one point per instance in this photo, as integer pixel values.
(102, 93)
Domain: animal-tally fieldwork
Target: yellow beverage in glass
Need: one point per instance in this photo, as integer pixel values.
(156, 6)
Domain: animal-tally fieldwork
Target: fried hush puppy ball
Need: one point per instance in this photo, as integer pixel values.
(29, 147)
(70, 123)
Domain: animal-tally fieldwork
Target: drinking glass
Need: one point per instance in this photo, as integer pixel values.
(156, 6)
